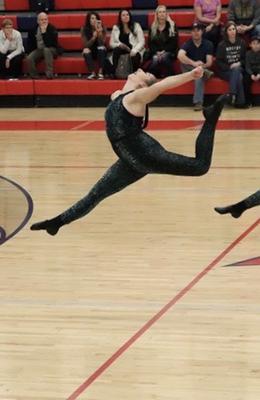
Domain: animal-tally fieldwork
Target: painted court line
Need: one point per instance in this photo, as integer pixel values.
(95, 375)
(93, 125)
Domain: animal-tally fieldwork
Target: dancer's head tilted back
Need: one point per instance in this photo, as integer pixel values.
(139, 79)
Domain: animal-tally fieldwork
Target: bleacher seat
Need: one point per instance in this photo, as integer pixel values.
(11, 17)
(145, 4)
(22, 5)
(19, 88)
(183, 3)
(27, 22)
(64, 21)
(182, 18)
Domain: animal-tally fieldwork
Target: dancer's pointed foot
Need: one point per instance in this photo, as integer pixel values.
(212, 112)
(233, 210)
(47, 225)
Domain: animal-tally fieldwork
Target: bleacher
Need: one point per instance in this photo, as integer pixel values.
(71, 86)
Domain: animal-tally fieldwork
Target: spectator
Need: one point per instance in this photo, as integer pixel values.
(208, 13)
(196, 52)
(127, 37)
(11, 51)
(43, 43)
(246, 15)
(230, 59)
(93, 34)
(162, 43)
(252, 67)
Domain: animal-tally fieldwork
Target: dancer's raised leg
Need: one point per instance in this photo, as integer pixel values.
(149, 156)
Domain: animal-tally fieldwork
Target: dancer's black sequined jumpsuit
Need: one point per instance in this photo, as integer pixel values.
(139, 154)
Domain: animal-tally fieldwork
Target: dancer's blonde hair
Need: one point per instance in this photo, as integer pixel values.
(155, 24)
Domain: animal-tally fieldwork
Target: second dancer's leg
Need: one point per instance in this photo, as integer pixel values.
(237, 209)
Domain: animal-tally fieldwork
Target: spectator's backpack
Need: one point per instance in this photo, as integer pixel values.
(124, 67)
(41, 5)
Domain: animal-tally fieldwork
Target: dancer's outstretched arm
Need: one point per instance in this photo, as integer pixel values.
(148, 94)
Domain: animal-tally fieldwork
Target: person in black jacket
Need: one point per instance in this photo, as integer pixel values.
(93, 35)
(252, 67)
(43, 43)
(230, 60)
(162, 44)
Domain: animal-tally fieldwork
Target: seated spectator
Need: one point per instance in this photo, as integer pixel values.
(43, 44)
(197, 51)
(127, 37)
(11, 51)
(252, 67)
(246, 15)
(162, 44)
(230, 60)
(208, 13)
(93, 34)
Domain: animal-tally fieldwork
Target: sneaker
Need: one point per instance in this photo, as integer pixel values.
(198, 107)
(207, 74)
(232, 99)
(100, 76)
(92, 76)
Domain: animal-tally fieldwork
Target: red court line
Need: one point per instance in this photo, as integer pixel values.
(157, 316)
(100, 125)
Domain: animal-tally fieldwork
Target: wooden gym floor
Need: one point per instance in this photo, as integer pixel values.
(153, 296)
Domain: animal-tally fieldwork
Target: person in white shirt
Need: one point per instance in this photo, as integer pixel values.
(11, 51)
(127, 37)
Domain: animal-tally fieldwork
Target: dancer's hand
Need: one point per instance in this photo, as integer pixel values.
(197, 72)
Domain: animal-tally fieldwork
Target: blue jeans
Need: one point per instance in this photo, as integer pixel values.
(198, 95)
(255, 31)
(236, 83)
(99, 54)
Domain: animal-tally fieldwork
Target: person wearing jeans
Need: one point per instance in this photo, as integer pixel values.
(230, 60)
(197, 52)
(93, 35)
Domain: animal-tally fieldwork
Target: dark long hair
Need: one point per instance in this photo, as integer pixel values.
(225, 35)
(131, 23)
(87, 28)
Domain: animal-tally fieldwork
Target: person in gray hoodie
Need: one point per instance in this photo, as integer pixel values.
(230, 61)
(246, 15)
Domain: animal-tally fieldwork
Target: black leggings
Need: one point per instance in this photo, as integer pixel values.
(139, 156)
